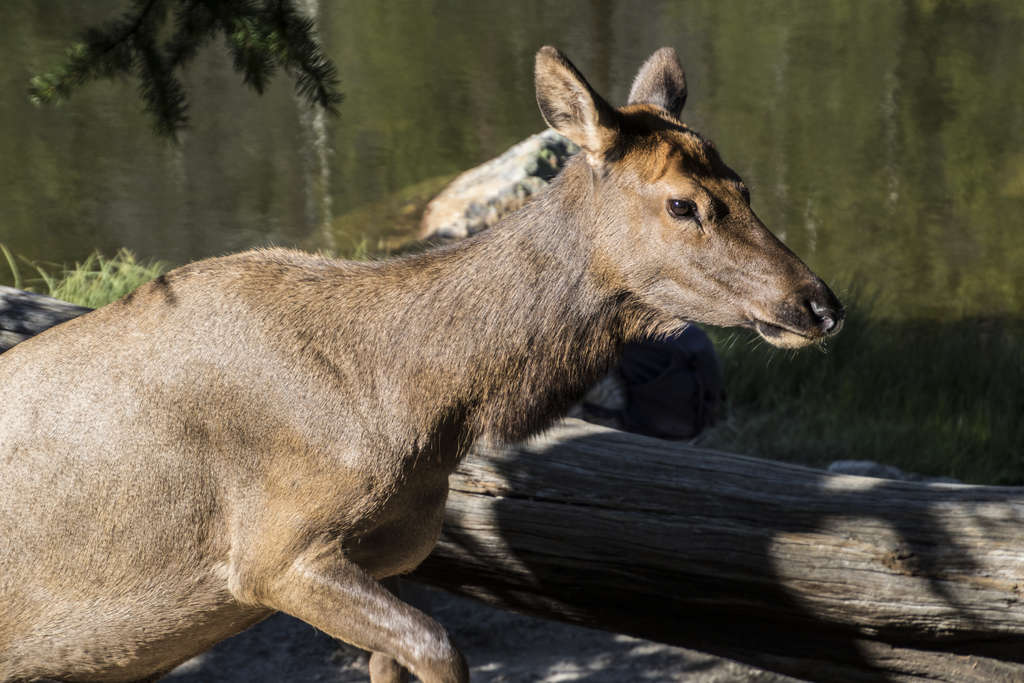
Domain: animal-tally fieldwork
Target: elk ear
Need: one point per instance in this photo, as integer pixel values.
(660, 82)
(570, 106)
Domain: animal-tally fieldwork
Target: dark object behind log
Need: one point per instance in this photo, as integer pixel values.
(674, 386)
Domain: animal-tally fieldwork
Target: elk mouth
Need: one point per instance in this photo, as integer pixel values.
(783, 337)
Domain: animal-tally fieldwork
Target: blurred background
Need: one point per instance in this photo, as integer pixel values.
(881, 140)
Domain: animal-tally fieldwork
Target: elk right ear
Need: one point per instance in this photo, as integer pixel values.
(661, 82)
(570, 106)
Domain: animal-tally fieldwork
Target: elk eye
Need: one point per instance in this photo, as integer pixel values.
(682, 208)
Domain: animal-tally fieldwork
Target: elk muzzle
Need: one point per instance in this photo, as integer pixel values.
(812, 314)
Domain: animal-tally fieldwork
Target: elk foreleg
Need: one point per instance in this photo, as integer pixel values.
(384, 668)
(333, 594)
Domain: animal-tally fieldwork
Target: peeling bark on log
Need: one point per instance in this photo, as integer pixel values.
(823, 577)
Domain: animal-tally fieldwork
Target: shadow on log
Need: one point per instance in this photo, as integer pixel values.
(823, 577)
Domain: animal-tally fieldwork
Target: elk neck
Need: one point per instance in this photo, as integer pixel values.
(501, 332)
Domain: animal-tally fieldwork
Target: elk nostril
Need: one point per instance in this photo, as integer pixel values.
(825, 315)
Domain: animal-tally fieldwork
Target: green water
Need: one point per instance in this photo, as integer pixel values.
(884, 141)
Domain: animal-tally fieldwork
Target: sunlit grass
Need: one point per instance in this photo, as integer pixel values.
(937, 398)
(94, 282)
(98, 281)
(12, 265)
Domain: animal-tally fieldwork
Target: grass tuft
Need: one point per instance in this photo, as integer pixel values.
(94, 282)
(97, 281)
(12, 264)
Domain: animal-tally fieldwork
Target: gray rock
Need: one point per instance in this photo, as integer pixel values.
(480, 197)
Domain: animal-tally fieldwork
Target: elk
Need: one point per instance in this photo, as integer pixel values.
(274, 431)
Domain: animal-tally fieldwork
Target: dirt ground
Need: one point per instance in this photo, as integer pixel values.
(499, 646)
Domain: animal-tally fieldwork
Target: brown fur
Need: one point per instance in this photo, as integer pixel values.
(274, 430)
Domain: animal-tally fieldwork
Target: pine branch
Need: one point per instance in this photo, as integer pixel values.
(162, 93)
(261, 37)
(315, 75)
(103, 52)
(194, 26)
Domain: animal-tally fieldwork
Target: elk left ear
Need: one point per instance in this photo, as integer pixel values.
(570, 106)
(660, 82)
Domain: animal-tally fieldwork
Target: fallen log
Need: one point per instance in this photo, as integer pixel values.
(23, 314)
(823, 577)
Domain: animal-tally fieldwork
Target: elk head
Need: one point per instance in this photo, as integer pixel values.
(672, 225)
